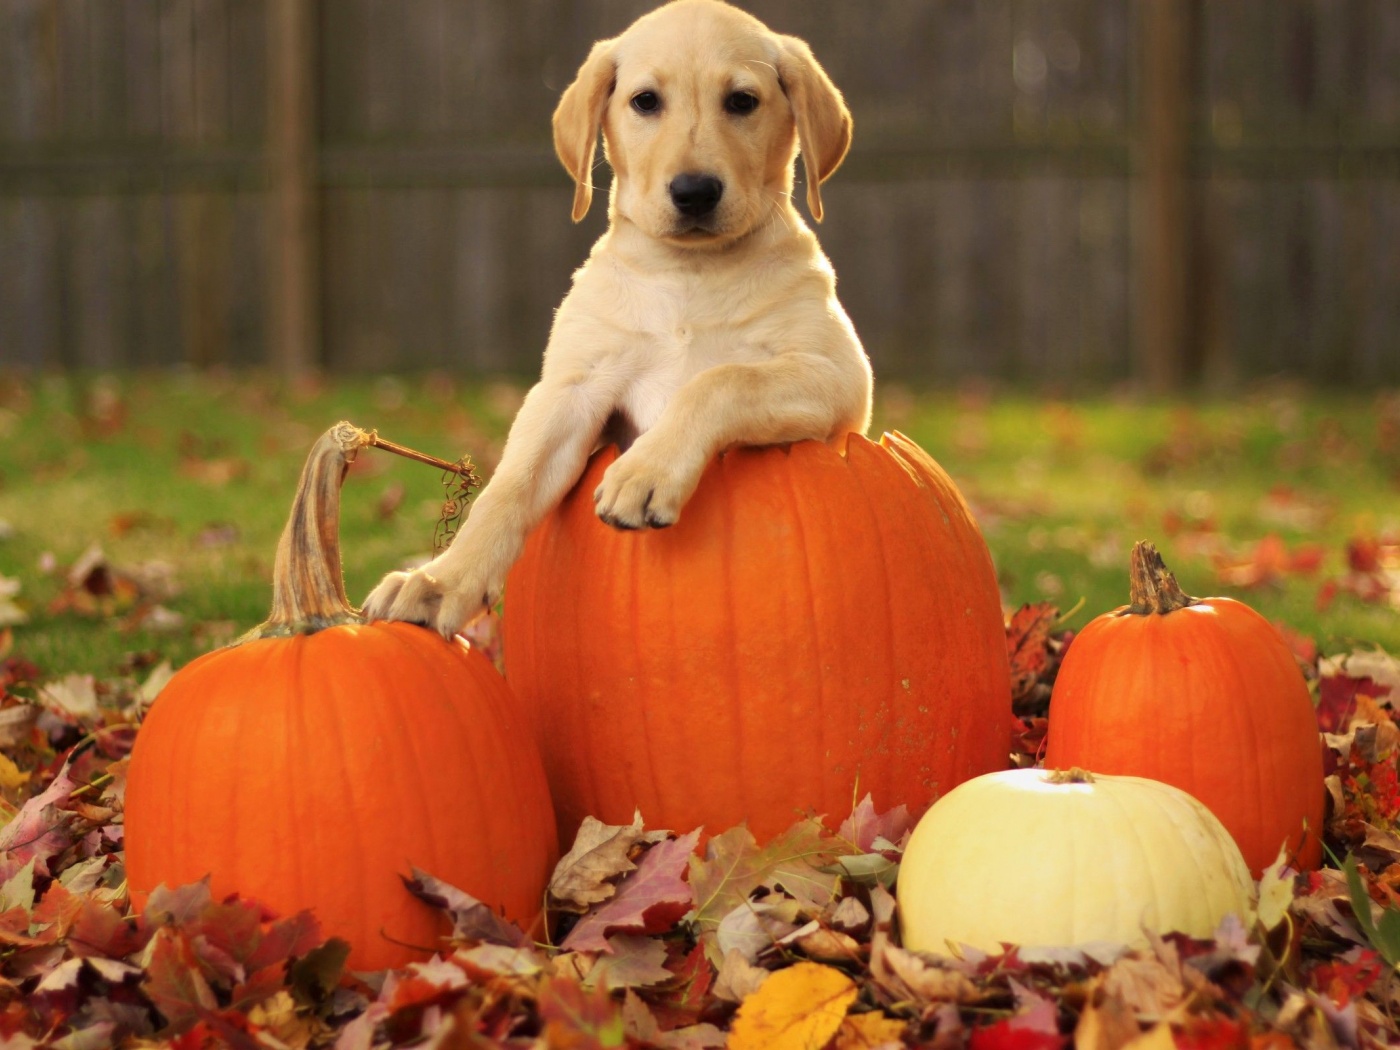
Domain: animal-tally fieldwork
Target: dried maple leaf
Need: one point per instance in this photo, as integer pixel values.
(42, 829)
(738, 977)
(735, 865)
(1337, 699)
(576, 1018)
(754, 926)
(651, 899)
(798, 1008)
(632, 962)
(1031, 652)
(471, 919)
(910, 978)
(600, 854)
(1034, 1027)
(680, 1002)
(865, 827)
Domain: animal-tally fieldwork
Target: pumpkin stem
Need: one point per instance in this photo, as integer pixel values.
(1073, 775)
(308, 590)
(1153, 588)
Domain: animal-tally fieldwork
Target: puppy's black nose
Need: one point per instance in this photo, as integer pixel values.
(696, 195)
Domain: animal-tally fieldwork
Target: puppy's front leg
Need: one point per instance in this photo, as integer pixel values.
(792, 397)
(545, 453)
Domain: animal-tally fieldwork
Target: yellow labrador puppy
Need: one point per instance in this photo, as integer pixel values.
(706, 316)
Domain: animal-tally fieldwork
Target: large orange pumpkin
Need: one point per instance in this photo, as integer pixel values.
(818, 625)
(311, 764)
(1203, 694)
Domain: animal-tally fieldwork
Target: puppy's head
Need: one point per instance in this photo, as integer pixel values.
(702, 111)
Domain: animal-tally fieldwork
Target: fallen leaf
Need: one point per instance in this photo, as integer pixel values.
(870, 1031)
(1275, 891)
(575, 1017)
(1106, 1023)
(632, 962)
(738, 978)
(1030, 651)
(754, 926)
(600, 853)
(471, 919)
(864, 827)
(650, 899)
(799, 1008)
(75, 694)
(734, 866)
(1034, 1027)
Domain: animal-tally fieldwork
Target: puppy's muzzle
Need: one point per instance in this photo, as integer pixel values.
(696, 196)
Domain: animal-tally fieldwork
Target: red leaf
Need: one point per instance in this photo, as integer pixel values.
(1035, 1027)
(1211, 1033)
(864, 825)
(471, 919)
(575, 1019)
(1028, 644)
(1337, 699)
(681, 1003)
(651, 899)
(1344, 981)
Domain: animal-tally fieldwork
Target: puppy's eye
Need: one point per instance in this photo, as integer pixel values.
(741, 102)
(646, 102)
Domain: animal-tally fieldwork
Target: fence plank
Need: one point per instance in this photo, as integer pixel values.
(983, 223)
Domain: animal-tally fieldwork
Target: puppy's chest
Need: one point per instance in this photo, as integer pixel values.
(686, 333)
(676, 341)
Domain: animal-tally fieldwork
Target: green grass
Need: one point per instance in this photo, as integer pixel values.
(156, 468)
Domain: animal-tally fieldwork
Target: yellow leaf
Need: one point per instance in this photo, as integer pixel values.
(867, 1031)
(1275, 891)
(799, 1008)
(11, 776)
(1158, 1037)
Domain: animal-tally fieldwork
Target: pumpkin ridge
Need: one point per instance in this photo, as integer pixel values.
(809, 619)
(1144, 851)
(1265, 796)
(729, 635)
(400, 650)
(633, 557)
(871, 507)
(262, 663)
(361, 792)
(491, 834)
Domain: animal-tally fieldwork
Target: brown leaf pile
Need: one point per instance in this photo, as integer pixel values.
(661, 941)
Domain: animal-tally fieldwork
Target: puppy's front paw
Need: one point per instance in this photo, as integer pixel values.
(422, 598)
(636, 494)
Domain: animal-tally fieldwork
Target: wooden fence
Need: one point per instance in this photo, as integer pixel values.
(1071, 191)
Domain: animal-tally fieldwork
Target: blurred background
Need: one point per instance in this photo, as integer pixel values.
(1066, 192)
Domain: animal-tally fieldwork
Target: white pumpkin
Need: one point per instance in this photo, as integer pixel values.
(1047, 859)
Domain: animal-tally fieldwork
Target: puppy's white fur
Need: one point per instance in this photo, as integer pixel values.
(690, 334)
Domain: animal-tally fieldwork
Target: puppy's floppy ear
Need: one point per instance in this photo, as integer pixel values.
(823, 121)
(579, 117)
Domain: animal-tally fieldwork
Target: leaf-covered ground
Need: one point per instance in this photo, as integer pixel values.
(661, 942)
(137, 522)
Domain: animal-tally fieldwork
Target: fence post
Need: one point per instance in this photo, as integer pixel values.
(294, 240)
(1163, 216)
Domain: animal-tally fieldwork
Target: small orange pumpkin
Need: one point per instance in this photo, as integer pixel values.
(1203, 694)
(820, 623)
(310, 764)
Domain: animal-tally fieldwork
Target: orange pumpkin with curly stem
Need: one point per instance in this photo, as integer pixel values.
(1203, 694)
(821, 623)
(309, 765)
